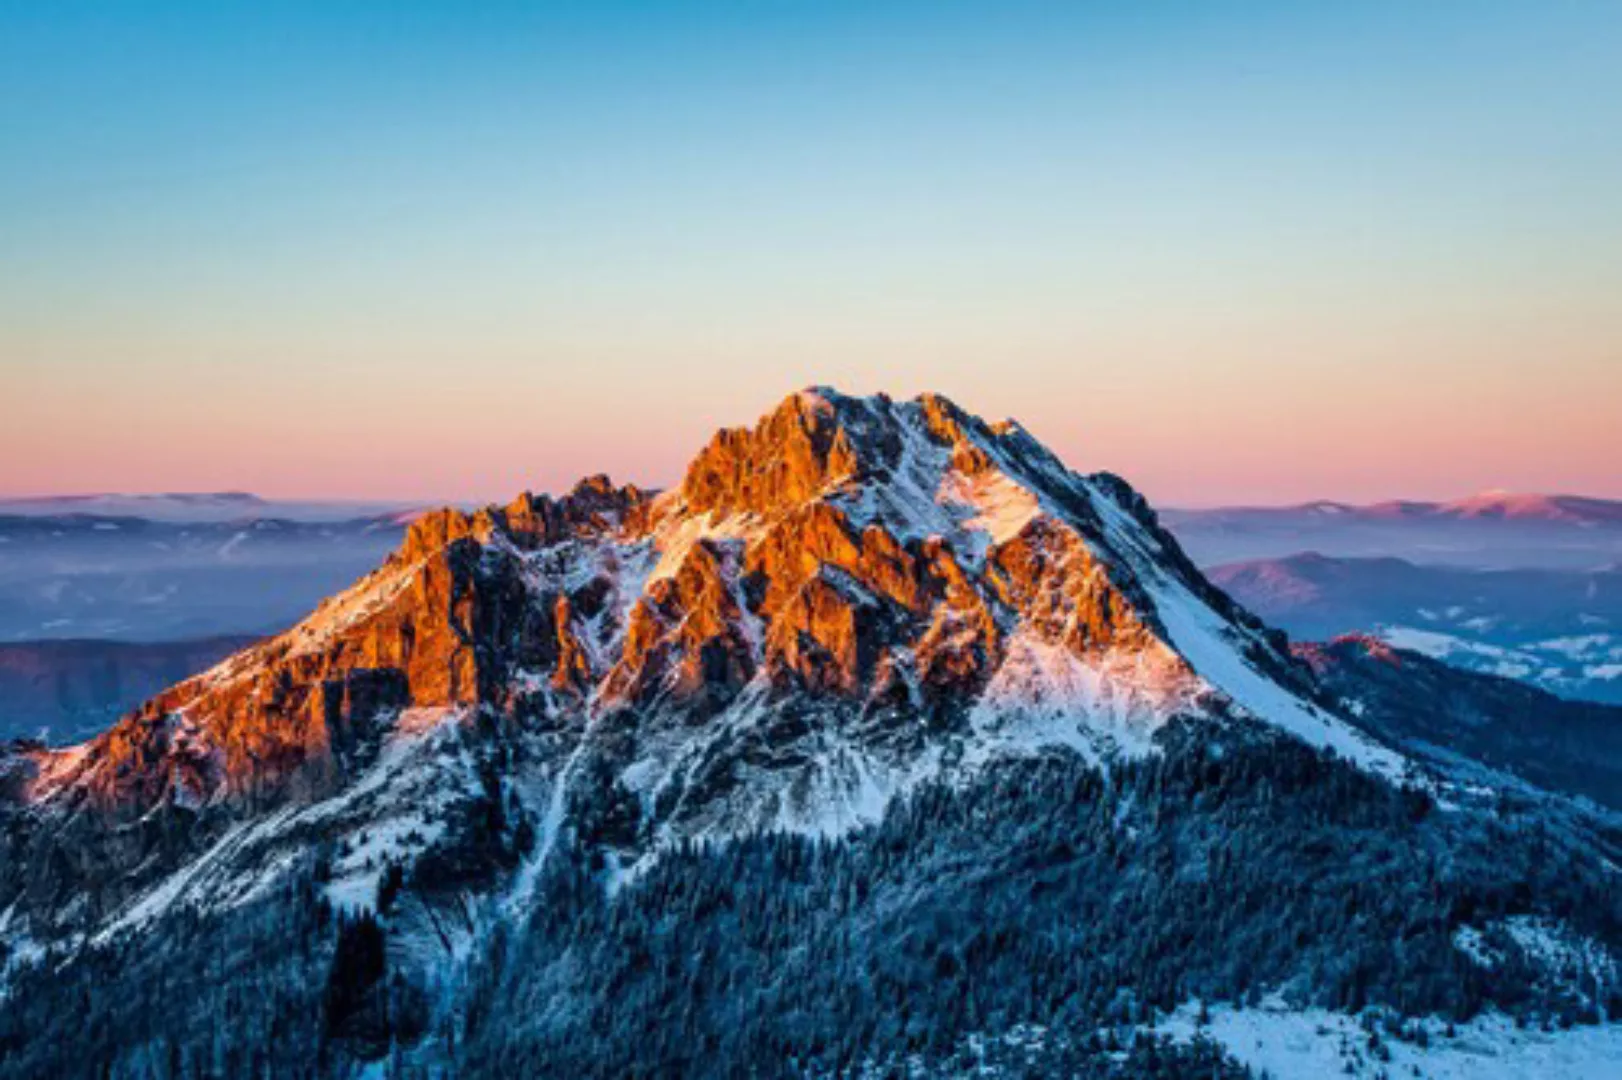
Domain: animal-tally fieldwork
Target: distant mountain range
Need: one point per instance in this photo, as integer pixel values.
(84, 575)
(193, 507)
(1493, 530)
(98, 611)
(1522, 585)
(883, 744)
(1489, 505)
(1558, 629)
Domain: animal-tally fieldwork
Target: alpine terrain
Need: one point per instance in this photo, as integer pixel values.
(882, 744)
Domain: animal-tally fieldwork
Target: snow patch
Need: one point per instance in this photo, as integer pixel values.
(1044, 694)
(417, 773)
(1312, 1043)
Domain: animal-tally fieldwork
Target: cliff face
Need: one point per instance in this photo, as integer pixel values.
(852, 595)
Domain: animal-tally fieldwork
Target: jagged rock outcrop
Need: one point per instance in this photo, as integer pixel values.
(794, 453)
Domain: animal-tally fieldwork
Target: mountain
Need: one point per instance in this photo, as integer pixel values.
(1498, 504)
(1567, 509)
(193, 508)
(74, 689)
(80, 575)
(1560, 630)
(881, 738)
(1491, 530)
(190, 505)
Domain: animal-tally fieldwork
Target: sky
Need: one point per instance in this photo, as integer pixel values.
(1234, 251)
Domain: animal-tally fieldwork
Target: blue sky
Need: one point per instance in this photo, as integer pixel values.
(1231, 250)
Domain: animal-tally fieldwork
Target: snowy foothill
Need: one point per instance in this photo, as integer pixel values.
(1307, 1044)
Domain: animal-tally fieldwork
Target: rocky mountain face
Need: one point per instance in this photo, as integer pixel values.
(850, 604)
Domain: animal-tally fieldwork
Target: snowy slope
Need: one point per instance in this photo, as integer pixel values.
(1305, 1044)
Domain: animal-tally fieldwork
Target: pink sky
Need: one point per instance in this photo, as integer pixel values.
(1268, 429)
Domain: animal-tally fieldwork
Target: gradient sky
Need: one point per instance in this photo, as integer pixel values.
(1233, 251)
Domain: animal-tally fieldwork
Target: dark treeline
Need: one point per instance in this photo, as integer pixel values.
(1044, 892)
